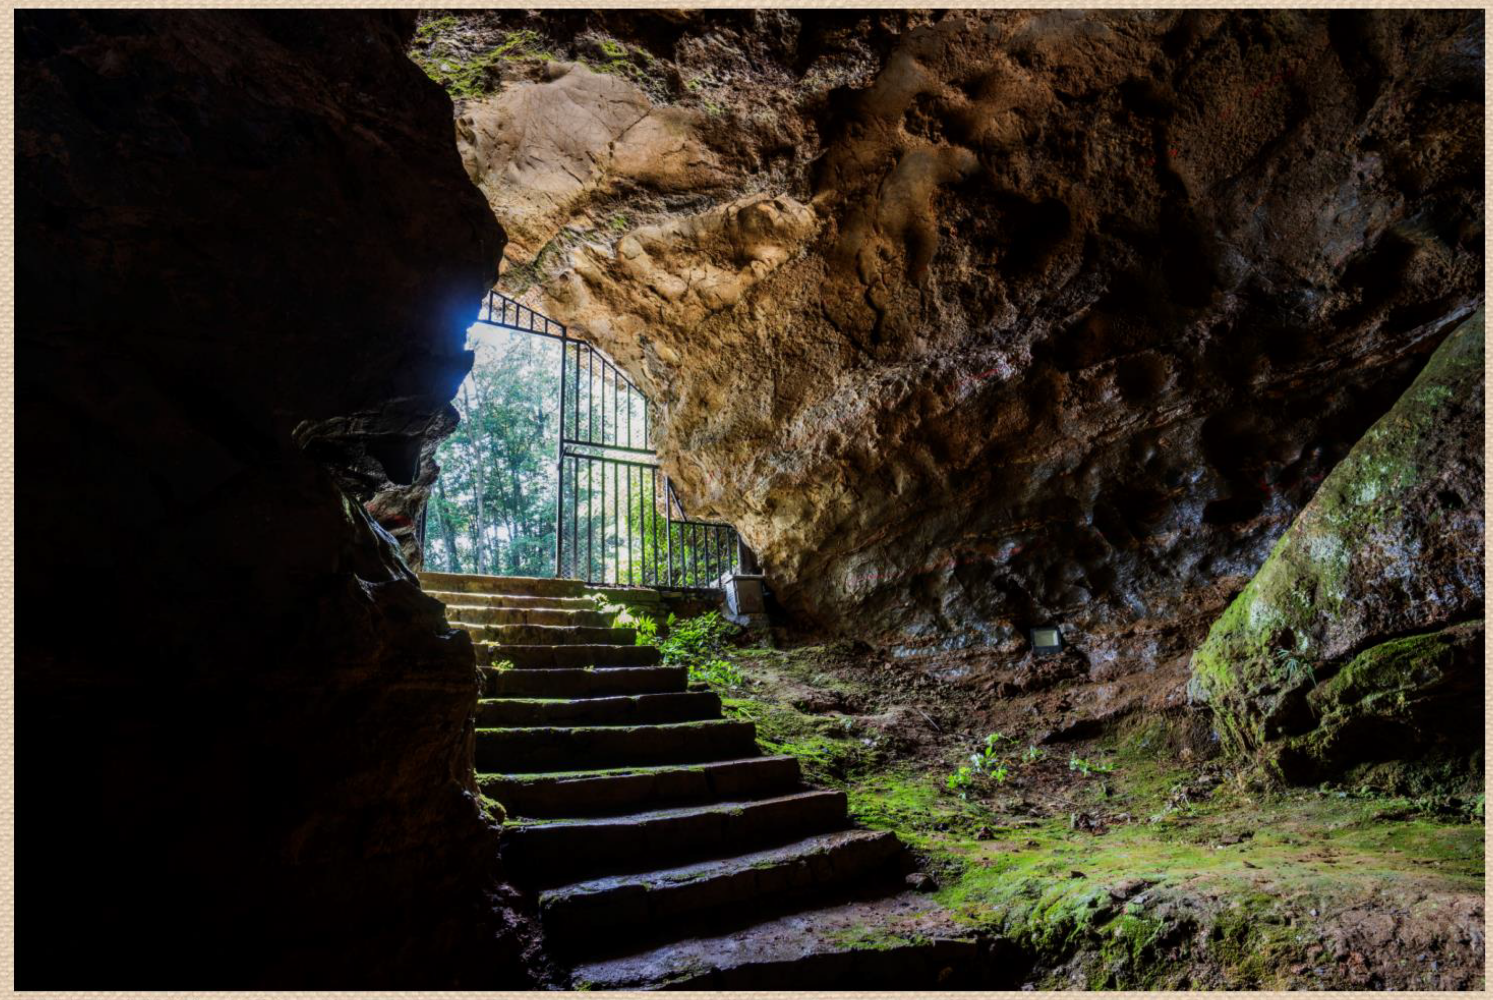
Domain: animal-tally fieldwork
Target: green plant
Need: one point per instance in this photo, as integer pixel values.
(699, 644)
(1032, 754)
(961, 780)
(645, 630)
(503, 665)
(1292, 666)
(986, 764)
(1088, 767)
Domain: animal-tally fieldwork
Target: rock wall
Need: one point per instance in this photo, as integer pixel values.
(978, 320)
(1361, 637)
(247, 255)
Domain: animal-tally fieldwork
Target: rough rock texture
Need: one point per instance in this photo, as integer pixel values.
(247, 253)
(1361, 636)
(980, 320)
(543, 152)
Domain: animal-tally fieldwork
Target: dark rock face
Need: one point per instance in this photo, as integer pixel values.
(1361, 637)
(247, 252)
(985, 320)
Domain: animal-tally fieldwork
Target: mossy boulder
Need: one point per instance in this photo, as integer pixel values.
(1341, 646)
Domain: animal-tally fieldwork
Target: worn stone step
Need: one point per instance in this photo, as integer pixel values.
(577, 916)
(540, 657)
(547, 635)
(550, 852)
(553, 682)
(450, 597)
(529, 586)
(593, 793)
(556, 748)
(616, 710)
(472, 615)
(901, 942)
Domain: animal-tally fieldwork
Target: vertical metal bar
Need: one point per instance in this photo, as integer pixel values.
(590, 398)
(560, 469)
(628, 394)
(669, 532)
(653, 518)
(693, 548)
(617, 532)
(590, 500)
(629, 525)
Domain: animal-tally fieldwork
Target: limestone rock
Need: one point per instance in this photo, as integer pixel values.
(543, 151)
(1065, 314)
(1364, 625)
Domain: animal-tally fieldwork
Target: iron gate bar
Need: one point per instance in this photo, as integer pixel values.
(707, 541)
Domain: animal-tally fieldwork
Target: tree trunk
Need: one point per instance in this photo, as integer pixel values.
(478, 536)
(447, 529)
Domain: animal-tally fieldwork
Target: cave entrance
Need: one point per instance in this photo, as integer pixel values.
(553, 472)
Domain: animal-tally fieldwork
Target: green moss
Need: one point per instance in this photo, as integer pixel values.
(1264, 654)
(469, 76)
(493, 808)
(430, 30)
(826, 747)
(873, 939)
(1388, 671)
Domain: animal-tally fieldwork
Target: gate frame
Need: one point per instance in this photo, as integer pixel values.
(496, 311)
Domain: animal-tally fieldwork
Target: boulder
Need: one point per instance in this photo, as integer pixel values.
(1360, 638)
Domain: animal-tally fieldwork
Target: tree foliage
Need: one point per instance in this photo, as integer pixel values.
(493, 508)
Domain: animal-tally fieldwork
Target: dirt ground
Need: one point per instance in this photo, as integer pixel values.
(1118, 850)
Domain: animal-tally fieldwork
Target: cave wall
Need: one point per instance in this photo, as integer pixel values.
(247, 253)
(1360, 640)
(977, 320)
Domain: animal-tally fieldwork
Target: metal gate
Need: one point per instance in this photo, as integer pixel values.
(616, 511)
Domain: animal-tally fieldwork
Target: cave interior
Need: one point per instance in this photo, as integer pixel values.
(1083, 409)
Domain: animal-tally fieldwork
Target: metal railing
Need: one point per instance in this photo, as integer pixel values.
(615, 517)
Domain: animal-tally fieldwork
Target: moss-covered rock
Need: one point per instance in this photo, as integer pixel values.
(1335, 649)
(1415, 696)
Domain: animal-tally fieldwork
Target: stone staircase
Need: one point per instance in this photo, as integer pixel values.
(645, 822)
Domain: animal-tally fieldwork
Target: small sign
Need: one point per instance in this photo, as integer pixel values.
(1046, 640)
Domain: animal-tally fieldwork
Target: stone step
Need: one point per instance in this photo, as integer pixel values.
(529, 586)
(553, 682)
(450, 597)
(556, 748)
(550, 852)
(471, 615)
(593, 793)
(539, 657)
(547, 635)
(617, 710)
(578, 917)
(900, 942)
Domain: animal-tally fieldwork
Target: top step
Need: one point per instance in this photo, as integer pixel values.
(532, 586)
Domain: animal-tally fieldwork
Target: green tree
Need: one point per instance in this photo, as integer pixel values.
(493, 509)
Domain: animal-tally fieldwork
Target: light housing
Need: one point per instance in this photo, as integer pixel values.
(1046, 639)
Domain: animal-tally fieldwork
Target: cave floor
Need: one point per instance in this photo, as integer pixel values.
(1128, 859)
